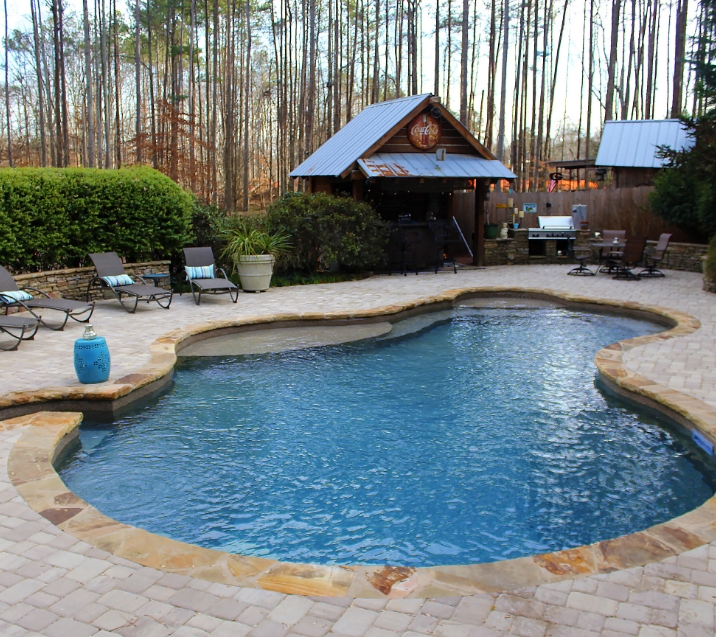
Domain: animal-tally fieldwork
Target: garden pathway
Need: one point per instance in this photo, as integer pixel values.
(55, 585)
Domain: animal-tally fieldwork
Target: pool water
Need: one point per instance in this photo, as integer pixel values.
(480, 437)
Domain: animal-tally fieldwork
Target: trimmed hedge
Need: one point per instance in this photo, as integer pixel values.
(53, 218)
(325, 230)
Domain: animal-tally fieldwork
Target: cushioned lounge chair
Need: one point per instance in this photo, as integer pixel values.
(111, 275)
(33, 299)
(651, 261)
(18, 328)
(201, 270)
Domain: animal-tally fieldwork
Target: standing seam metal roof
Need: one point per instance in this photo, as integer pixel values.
(340, 151)
(634, 144)
(426, 165)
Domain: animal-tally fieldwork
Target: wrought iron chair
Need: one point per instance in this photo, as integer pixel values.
(632, 256)
(581, 254)
(651, 261)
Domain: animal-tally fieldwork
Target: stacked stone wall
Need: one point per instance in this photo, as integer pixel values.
(72, 283)
(515, 250)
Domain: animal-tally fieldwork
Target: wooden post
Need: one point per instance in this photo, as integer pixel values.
(358, 190)
(478, 249)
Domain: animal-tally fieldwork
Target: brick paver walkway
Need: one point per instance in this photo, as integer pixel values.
(55, 585)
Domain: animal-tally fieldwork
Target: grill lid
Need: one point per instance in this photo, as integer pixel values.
(555, 223)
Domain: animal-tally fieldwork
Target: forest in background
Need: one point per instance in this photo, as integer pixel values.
(227, 96)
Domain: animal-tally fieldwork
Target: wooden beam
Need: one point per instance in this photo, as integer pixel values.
(478, 250)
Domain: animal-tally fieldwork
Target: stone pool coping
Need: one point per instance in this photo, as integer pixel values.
(32, 472)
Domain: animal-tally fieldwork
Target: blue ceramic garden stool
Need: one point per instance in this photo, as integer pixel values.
(91, 358)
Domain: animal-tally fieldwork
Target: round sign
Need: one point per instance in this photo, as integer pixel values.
(424, 131)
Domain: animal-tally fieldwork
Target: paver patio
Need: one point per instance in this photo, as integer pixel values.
(55, 585)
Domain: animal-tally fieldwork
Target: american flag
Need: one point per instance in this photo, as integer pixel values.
(552, 185)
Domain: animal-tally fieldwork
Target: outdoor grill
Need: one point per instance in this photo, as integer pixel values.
(553, 228)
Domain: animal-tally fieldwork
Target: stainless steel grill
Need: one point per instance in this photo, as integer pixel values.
(553, 228)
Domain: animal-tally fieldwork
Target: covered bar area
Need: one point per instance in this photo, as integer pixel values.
(412, 160)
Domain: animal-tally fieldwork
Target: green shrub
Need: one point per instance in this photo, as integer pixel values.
(325, 230)
(53, 218)
(684, 192)
(710, 270)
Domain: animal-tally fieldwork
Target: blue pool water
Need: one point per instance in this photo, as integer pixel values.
(480, 438)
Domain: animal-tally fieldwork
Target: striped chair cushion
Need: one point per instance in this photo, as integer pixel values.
(201, 272)
(114, 281)
(15, 295)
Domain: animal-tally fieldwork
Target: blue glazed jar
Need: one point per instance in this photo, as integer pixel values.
(91, 358)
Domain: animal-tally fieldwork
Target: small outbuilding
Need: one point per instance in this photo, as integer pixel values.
(407, 157)
(631, 148)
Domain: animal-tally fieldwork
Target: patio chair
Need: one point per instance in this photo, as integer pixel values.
(200, 271)
(651, 261)
(18, 328)
(632, 256)
(111, 275)
(13, 296)
(581, 254)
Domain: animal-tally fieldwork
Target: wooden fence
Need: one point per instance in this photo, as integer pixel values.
(614, 209)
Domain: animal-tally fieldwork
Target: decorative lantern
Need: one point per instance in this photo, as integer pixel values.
(92, 361)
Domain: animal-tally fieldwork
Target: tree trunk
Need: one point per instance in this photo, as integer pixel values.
(247, 105)
(611, 70)
(137, 80)
(7, 93)
(40, 91)
(679, 55)
(503, 85)
(463, 60)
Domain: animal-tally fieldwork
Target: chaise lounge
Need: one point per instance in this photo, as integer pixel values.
(32, 299)
(19, 328)
(111, 275)
(201, 270)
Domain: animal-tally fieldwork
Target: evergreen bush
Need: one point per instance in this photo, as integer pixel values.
(325, 230)
(53, 218)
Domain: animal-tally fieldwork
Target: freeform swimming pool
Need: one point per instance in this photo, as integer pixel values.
(478, 438)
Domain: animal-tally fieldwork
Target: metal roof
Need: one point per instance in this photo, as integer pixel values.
(337, 154)
(426, 165)
(633, 144)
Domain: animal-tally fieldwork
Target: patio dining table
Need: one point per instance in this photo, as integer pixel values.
(606, 244)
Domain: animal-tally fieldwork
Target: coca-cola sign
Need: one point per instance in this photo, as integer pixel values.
(424, 131)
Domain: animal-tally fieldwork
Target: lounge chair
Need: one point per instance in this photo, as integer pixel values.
(111, 274)
(33, 299)
(581, 254)
(651, 261)
(19, 328)
(200, 271)
(632, 256)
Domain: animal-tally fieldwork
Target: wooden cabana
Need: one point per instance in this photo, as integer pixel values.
(407, 157)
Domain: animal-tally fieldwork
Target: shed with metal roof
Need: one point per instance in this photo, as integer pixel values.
(631, 148)
(408, 158)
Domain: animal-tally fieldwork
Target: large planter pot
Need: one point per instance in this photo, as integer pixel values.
(255, 272)
(492, 230)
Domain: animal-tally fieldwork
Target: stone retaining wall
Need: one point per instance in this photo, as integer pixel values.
(515, 250)
(72, 283)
